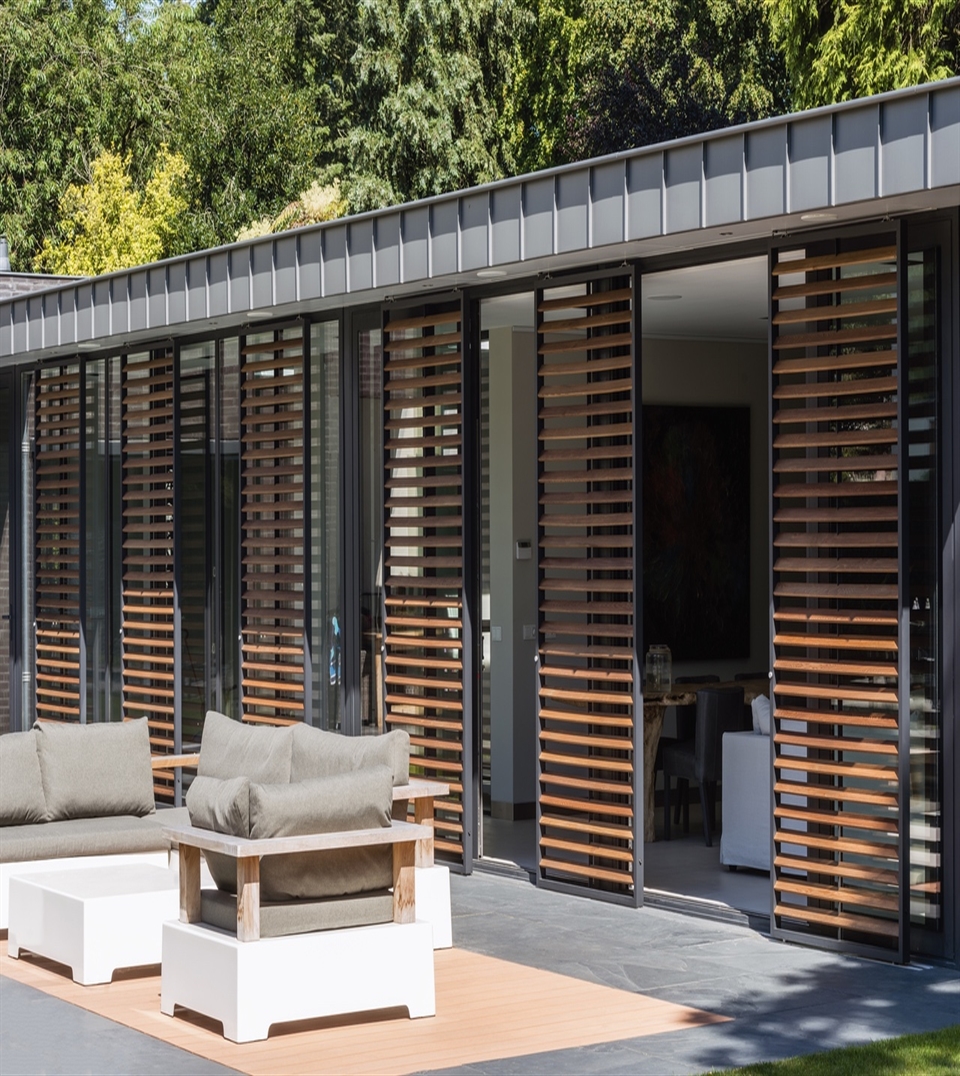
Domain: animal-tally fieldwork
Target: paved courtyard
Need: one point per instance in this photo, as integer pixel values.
(780, 1000)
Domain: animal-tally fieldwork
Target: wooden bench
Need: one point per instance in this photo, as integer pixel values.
(248, 982)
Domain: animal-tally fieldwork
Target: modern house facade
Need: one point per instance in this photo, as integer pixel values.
(454, 466)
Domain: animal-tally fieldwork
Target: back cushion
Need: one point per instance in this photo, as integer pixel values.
(95, 770)
(21, 787)
(321, 754)
(761, 715)
(232, 749)
(358, 800)
(224, 807)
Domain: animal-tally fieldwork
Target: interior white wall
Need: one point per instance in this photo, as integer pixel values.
(713, 372)
(513, 583)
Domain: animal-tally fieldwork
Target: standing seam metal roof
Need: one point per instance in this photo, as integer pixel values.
(899, 143)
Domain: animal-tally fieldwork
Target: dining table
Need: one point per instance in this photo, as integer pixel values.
(655, 705)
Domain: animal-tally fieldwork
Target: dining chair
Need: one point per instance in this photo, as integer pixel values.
(686, 717)
(700, 759)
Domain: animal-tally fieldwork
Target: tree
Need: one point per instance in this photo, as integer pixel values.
(76, 77)
(661, 69)
(106, 224)
(428, 83)
(315, 205)
(836, 50)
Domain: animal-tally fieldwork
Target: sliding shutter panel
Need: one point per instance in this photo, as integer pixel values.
(836, 594)
(58, 534)
(272, 462)
(149, 634)
(423, 551)
(588, 694)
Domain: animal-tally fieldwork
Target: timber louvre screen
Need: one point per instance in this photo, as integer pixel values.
(589, 696)
(273, 527)
(837, 513)
(423, 591)
(60, 693)
(148, 416)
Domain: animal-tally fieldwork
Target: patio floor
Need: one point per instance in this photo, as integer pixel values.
(539, 983)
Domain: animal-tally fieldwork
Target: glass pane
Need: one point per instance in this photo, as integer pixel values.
(926, 725)
(197, 534)
(371, 530)
(27, 445)
(229, 575)
(325, 513)
(115, 700)
(96, 507)
(6, 541)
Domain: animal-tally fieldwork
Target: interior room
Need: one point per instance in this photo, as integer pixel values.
(704, 390)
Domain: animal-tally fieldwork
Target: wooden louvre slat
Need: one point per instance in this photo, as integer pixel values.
(59, 423)
(836, 596)
(586, 694)
(423, 534)
(273, 538)
(147, 498)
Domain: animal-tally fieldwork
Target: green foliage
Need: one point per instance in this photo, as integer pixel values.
(660, 69)
(836, 50)
(315, 205)
(547, 75)
(936, 1053)
(75, 78)
(106, 224)
(429, 81)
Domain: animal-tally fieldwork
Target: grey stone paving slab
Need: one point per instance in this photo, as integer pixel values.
(41, 1034)
(783, 1000)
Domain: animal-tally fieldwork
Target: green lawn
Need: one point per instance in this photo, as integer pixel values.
(934, 1054)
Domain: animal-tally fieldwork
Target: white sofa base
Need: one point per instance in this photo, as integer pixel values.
(34, 866)
(95, 920)
(433, 902)
(249, 986)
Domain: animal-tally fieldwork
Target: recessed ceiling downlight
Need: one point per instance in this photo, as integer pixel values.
(664, 298)
(818, 216)
(486, 274)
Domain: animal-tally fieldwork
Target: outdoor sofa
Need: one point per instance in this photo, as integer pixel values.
(72, 795)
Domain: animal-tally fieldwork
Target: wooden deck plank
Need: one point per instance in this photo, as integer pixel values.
(486, 1009)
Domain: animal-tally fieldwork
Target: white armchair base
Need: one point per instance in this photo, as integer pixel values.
(250, 985)
(433, 902)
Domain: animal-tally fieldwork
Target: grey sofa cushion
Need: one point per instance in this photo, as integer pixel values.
(299, 916)
(21, 787)
(220, 805)
(362, 799)
(232, 749)
(359, 800)
(224, 807)
(91, 771)
(113, 835)
(319, 754)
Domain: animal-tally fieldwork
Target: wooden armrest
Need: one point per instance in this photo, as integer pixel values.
(172, 762)
(404, 837)
(420, 789)
(246, 848)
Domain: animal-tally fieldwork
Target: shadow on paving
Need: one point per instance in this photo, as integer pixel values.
(784, 1000)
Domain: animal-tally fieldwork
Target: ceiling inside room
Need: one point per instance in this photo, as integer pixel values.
(721, 301)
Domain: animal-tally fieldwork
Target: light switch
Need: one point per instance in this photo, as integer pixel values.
(524, 549)
(529, 631)
(496, 633)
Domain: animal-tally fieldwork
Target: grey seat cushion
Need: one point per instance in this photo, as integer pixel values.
(21, 786)
(299, 916)
(92, 771)
(317, 753)
(232, 749)
(112, 835)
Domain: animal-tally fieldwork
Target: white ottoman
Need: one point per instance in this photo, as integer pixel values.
(93, 920)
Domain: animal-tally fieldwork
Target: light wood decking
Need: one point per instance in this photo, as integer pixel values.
(486, 1009)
